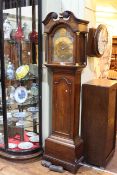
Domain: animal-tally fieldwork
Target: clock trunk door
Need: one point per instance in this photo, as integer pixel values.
(62, 105)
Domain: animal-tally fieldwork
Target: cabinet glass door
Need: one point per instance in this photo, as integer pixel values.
(21, 82)
(1, 118)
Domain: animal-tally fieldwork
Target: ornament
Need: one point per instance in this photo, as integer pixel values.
(7, 28)
(26, 31)
(19, 33)
(10, 71)
(33, 36)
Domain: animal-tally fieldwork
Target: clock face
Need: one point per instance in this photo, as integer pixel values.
(101, 38)
(62, 46)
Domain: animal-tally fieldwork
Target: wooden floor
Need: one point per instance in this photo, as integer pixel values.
(112, 165)
(35, 168)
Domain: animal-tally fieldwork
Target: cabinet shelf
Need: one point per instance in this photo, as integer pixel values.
(14, 42)
(22, 80)
(18, 94)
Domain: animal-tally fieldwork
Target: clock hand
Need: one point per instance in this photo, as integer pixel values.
(64, 47)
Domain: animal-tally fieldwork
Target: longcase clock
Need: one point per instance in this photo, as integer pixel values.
(65, 43)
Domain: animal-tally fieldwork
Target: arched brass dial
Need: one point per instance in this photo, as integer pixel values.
(63, 46)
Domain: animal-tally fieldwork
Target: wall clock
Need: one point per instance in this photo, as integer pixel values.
(97, 41)
(65, 43)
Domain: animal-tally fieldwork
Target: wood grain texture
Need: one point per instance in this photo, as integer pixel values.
(99, 120)
(78, 29)
(35, 168)
(64, 146)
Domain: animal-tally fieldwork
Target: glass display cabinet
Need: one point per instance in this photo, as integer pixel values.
(20, 90)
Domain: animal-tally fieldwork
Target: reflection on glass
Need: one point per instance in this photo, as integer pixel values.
(1, 121)
(33, 36)
(19, 33)
(21, 71)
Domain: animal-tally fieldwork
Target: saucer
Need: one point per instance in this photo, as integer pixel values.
(20, 94)
(34, 138)
(25, 145)
(33, 109)
(12, 145)
(30, 134)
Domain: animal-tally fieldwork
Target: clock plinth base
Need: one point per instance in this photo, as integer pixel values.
(66, 154)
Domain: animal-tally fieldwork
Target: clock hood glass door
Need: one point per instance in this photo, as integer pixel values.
(62, 46)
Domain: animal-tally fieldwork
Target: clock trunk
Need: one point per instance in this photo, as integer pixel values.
(64, 146)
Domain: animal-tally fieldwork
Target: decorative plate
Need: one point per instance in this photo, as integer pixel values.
(22, 71)
(30, 134)
(25, 145)
(12, 145)
(20, 94)
(33, 109)
(20, 114)
(34, 138)
(7, 28)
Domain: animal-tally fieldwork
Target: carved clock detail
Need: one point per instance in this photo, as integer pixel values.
(65, 43)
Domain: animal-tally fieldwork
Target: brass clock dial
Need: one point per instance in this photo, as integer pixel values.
(62, 46)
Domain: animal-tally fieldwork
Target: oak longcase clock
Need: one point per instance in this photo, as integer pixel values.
(65, 45)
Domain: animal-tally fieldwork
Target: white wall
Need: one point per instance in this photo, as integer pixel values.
(107, 14)
(47, 7)
(26, 13)
(94, 67)
(90, 15)
(89, 72)
(77, 7)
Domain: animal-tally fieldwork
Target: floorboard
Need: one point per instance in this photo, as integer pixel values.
(112, 165)
(35, 168)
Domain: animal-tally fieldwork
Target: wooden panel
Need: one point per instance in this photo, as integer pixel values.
(90, 44)
(11, 50)
(110, 141)
(98, 120)
(34, 167)
(62, 104)
(82, 48)
(26, 53)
